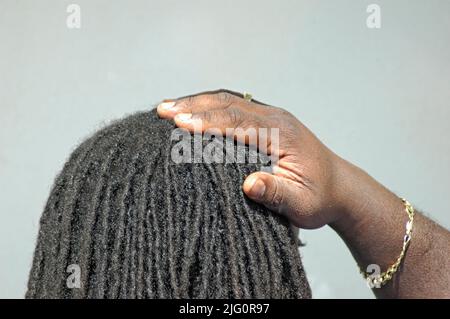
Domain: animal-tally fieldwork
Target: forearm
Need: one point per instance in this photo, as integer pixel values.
(313, 187)
(373, 226)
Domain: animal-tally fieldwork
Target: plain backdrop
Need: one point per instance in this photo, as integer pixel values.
(378, 97)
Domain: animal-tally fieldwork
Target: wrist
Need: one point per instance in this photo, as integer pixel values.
(361, 200)
(371, 219)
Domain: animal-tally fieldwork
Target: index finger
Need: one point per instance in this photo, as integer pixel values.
(201, 102)
(205, 101)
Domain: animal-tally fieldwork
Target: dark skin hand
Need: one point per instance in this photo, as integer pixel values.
(313, 187)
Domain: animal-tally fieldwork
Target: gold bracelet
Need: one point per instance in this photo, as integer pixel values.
(379, 280)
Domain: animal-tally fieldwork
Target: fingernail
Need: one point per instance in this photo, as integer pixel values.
(184, 117)
(257, 188)
(166, 105)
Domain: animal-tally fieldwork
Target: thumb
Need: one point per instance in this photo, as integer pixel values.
(276, 193)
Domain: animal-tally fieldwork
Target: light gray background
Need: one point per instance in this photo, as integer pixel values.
(379, 98)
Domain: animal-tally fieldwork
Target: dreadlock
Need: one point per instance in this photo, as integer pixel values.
(139, 225)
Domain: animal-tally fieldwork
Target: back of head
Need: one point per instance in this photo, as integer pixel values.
(138, 225)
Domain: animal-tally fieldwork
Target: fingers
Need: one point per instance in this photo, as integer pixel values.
(199, 103)
(276, 193)
(216, 118)
(224, 112)
(234, 124)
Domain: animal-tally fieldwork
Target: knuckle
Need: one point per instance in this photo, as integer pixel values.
(282, 112)
(256, 121)
(234, 117)
(224, 98)
(276, 198)
(207, 117)
(188, 102)
(281, 117)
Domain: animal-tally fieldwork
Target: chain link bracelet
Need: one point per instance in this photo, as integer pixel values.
(384, 277)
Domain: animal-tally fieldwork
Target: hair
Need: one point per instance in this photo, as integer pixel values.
(139, 225)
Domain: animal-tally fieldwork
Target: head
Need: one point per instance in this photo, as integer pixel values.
(132, 223)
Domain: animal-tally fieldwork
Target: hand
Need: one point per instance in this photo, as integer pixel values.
(304, 183)
(312, 186)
